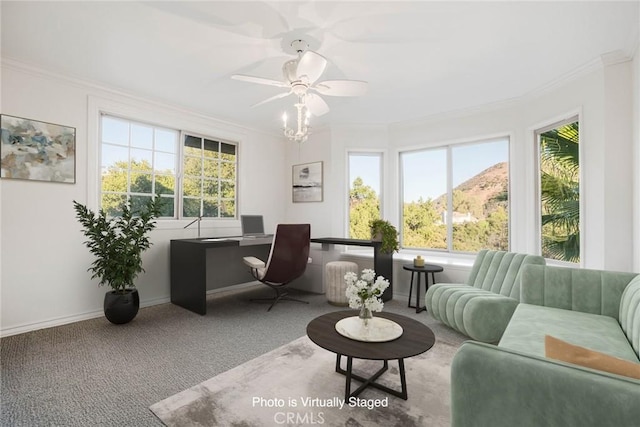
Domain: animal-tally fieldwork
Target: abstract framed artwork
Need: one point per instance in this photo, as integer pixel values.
(307, 182)
(38, 151)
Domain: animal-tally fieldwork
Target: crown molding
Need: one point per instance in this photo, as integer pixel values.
(605, 60)
(22, 67)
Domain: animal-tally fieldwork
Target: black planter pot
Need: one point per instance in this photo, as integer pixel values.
(120, 307)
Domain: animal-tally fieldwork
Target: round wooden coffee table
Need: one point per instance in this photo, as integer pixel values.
(415, 339)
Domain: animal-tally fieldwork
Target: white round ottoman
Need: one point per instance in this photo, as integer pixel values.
(335, 286)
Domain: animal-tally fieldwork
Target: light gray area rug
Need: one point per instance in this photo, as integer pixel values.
(296, 384)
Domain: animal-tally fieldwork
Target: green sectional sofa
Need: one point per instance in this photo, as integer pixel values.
(513, 383)
(482, 307)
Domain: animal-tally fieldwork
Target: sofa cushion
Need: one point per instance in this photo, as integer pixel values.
(567, 352)
(530, 323)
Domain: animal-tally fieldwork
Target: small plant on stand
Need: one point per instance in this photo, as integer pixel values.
(383, 231)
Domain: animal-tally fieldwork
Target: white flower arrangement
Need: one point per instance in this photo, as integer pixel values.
(365, 291)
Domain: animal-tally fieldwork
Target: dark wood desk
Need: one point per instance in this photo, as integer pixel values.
(415, 339)
(382, 262)
(199, 265)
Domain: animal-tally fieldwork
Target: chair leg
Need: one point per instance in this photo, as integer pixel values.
(280, 296)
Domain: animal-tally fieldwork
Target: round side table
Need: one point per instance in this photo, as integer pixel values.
(428, 268)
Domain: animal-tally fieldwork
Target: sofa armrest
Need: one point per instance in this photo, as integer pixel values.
(486, 317)
(493, 386)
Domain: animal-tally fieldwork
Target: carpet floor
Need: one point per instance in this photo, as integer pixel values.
(93, 373)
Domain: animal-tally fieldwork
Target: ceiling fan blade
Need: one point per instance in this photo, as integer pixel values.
(316, 105)
(312, 65)
(342, 87)
(259, 80)
(273, 98)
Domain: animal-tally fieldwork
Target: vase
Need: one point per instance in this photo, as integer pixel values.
(121, 307)
(365, 315)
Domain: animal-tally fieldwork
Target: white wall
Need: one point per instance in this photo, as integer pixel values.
(43, 277)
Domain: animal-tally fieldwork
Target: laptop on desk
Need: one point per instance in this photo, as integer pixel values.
(253, 226)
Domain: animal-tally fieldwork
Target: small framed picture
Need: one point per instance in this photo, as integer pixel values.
(307, 182)
(38, 151)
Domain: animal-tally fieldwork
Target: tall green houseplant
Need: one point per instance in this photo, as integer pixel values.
(117, 244)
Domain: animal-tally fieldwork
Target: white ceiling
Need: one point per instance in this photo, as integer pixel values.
(420, 58)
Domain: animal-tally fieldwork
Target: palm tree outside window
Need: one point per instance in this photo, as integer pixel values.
(559, 173)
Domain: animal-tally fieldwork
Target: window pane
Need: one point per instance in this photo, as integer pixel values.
(166, 140)
(210, 207)
(227, 170)
(140, 182)
(211, 148)
(115, 131)
(560, 192)
(364, 193)
(167, 208)
(113, 155)
(141, 159)
(165, 184)
(479, 214)
(210, 188)
(141, 136)
(213, 164)
(114, 181)
(228, 209)
(192, 166)
(138, 203)
(227, 190)
(424, 199)
(165, 163)
(210, 168)
(192, 145)
(191, 186)
(190, 207)
(132, 167)
(112, 203)
(228, 149)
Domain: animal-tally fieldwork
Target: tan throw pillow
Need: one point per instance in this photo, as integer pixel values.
(562, 350)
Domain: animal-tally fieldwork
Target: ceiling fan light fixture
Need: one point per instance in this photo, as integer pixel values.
(302, 131)
(300, 76)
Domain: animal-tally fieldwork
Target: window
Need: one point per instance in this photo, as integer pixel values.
(455, 198)
(139, 160)
(209, 184)
(559, 195)
(365, 177)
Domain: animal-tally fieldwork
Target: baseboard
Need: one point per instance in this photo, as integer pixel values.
(65, 320)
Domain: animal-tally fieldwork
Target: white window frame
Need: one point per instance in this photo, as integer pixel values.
(166, 117)
(448, 146)
(536, 130)
(183, 135)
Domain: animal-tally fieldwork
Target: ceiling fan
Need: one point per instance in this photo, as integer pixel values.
(300, 76)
